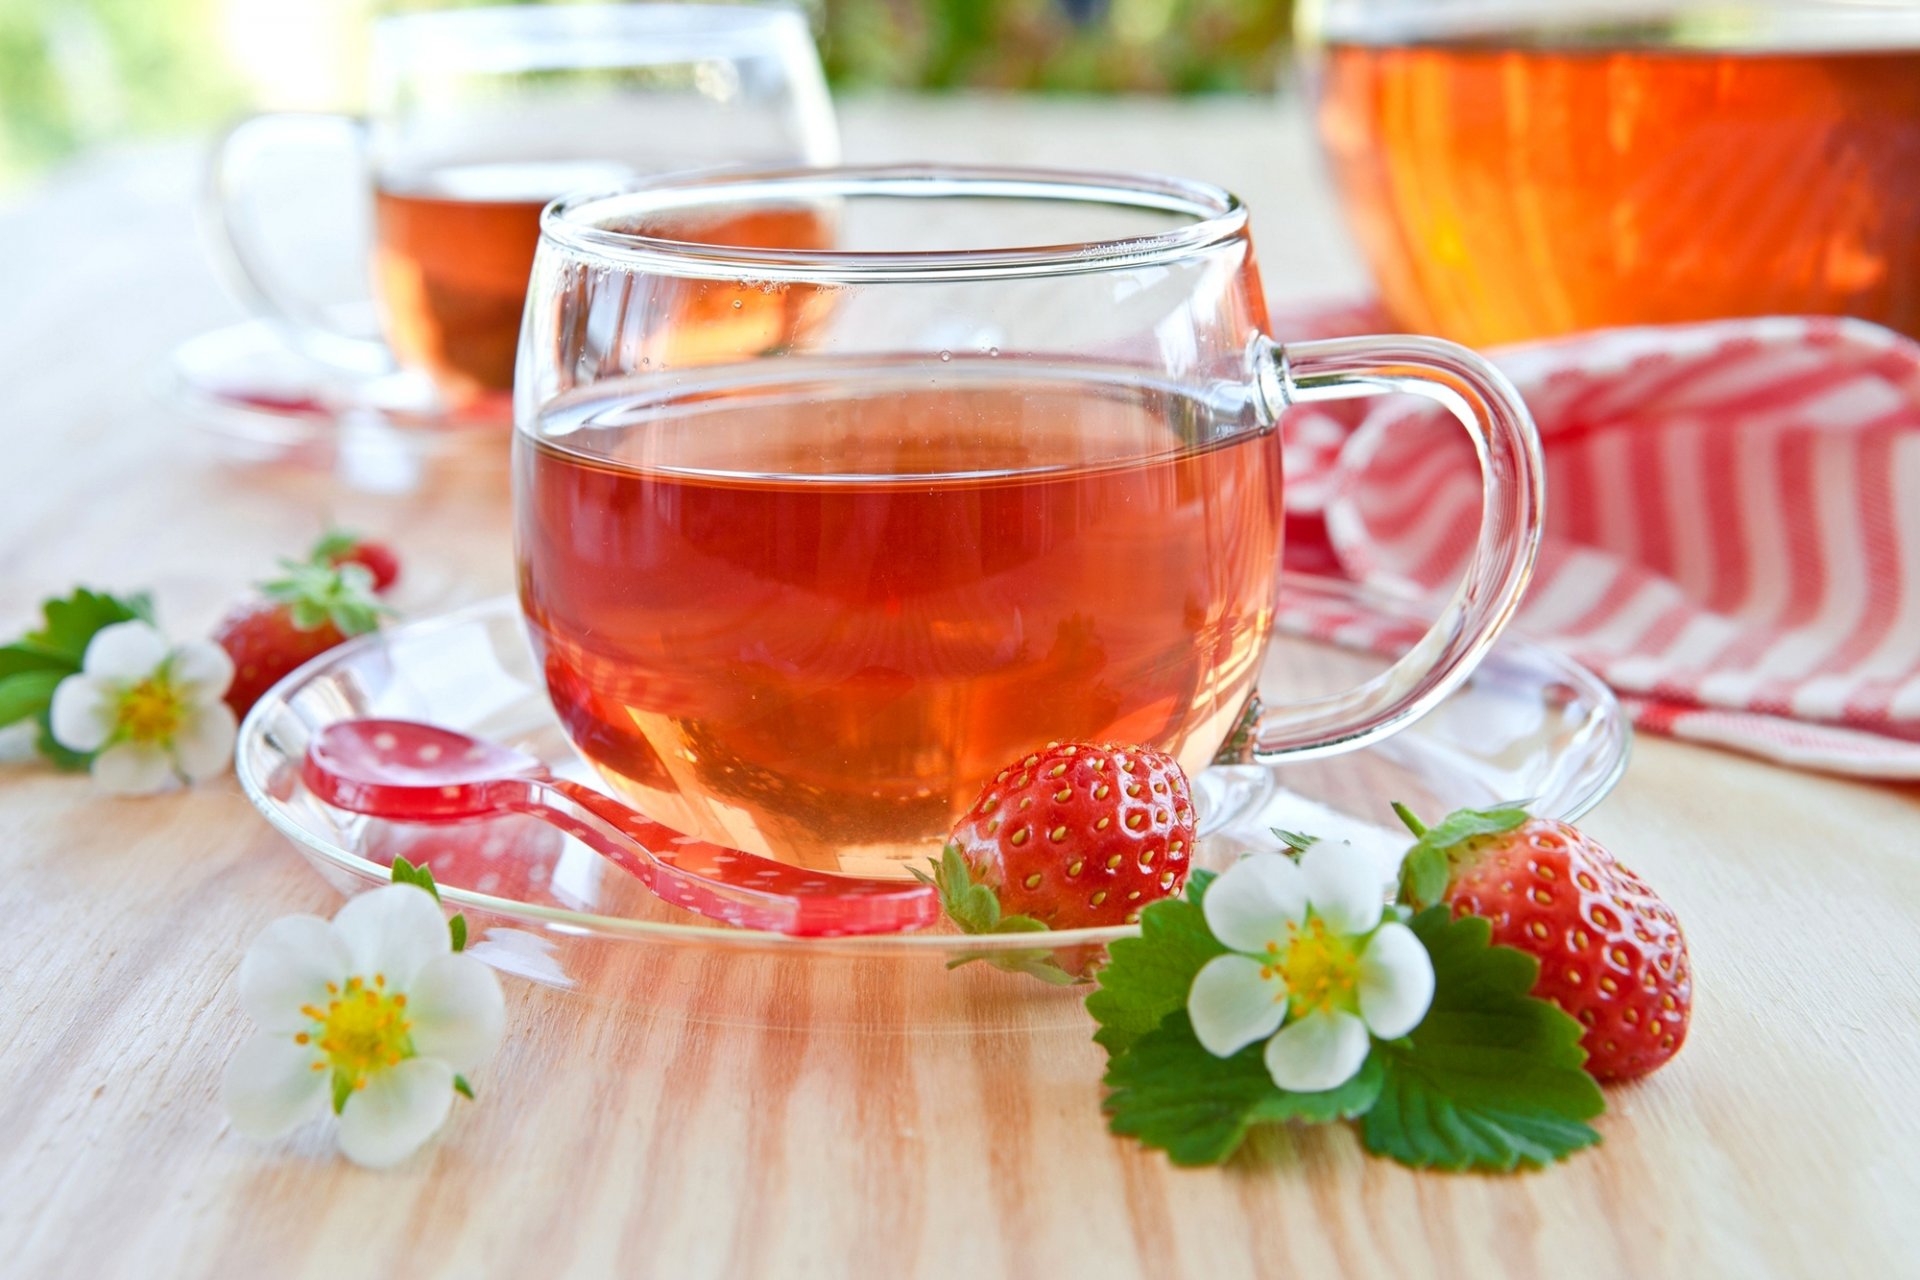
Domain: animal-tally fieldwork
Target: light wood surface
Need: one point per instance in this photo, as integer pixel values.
(612, 1138)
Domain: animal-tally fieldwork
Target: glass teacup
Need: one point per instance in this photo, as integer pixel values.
(996, 469)
(478, 118)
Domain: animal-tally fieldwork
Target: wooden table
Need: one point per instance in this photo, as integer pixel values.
(1782, 1142)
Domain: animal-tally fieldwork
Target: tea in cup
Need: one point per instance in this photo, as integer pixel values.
(1518, 169)
(1018, 482)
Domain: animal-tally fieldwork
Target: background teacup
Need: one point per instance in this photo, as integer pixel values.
(476, 119)
(1014, 479)
(1516, 169)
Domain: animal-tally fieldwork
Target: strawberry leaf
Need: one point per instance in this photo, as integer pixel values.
(1146, 978)
(1170, 1093)
(33, 666)
(26, 694)
(68, 624)
(1491, 1079)
(20, 659)
(1425, 870)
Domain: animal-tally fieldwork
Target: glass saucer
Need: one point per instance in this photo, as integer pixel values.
(254, 399)
(1530, 725)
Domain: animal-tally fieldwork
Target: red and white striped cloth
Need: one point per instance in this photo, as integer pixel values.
(1733, 530)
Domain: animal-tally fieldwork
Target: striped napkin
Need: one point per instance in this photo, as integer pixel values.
(1733, 530)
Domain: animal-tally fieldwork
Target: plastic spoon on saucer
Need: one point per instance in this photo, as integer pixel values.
(405, 771)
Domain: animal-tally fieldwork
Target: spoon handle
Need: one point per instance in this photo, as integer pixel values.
(724, 884)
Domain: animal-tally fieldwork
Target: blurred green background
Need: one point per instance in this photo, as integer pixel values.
(76, 74)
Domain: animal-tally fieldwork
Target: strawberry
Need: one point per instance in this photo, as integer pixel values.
(1081, 835)
(339, 547)
(299, 617)
(1611, 952)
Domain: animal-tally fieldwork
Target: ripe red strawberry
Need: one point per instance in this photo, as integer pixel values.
(1611, 952)
(299, 617)
(379, 559)
(1080, 835)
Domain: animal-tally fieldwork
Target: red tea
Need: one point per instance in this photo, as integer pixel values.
(453, 253)
(810, 621)
(1511, 185)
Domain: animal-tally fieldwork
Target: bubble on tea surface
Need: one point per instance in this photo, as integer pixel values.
(945, 356)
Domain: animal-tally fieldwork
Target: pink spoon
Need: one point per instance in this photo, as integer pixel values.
(410, 772)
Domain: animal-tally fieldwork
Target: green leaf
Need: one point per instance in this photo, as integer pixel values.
(342, 1090)
(19, 659)
(405, 872)
(457, 927)
(971, 906)
(69, 623)
(1295, 841)
(1491, 1079)
(332, 543)
(27, 694)
(1424, 873)
(1146, 978)
(316, 594)
(976, 910)
(1170, 1093)
(460, 1085)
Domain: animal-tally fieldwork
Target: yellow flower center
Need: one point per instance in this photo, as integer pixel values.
(151, 711)
(363, 1030)
(1321, 969)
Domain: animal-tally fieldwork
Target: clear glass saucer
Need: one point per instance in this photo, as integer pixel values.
(253, 398)
(1529, 725)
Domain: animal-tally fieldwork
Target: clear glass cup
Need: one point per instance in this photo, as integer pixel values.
(476, 119)
(1516, 169)
(812, 542)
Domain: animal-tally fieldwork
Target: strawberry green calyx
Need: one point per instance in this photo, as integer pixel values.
(1428, 864)
(333, 544)
(316, 594)
(974, 908)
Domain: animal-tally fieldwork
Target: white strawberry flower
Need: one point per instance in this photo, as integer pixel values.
(1312, 969)
(149, 712)
(373, 1009)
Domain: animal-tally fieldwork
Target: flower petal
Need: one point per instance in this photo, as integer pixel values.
(271, 1087)
(125, 651)
(1396, 981)
(202, 668)
(203, 746)
(82, 713)
(457, 1011)
(1344, 887)
(133, 768)
(392, 931)
(1321, 1051)
(290, 965)
(1254, 901)
(1232, 1005)
(399, 1109)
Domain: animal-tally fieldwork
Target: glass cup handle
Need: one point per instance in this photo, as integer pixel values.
(239, 240)
(1513, 494)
